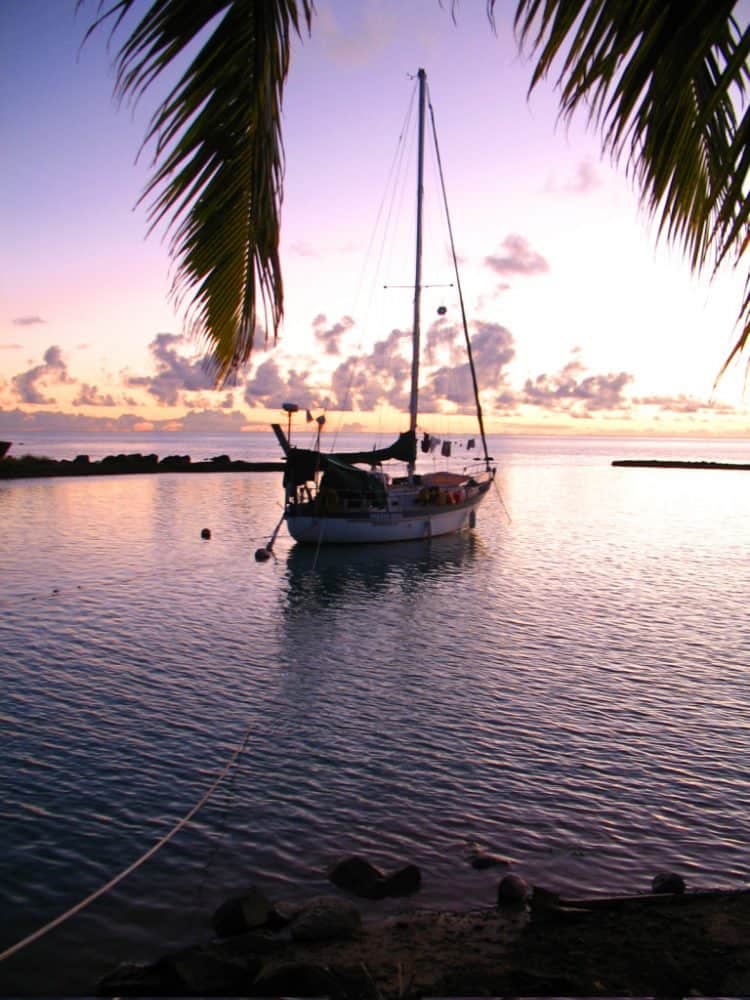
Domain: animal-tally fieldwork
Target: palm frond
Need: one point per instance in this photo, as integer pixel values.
(218, 153)
(664, 81)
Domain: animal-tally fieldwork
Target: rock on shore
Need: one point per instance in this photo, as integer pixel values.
(667, 943)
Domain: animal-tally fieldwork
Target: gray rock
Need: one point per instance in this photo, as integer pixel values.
(241, 913)
(403, 882)
(324, 918)
(668, 882)
(512, 890)
(208, 973)
(358, 876)
(300, 979)
(132, 980)
(283, 913)
(260, 942)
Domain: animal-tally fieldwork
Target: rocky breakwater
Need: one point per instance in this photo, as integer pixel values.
(31, 466)
(530, 942)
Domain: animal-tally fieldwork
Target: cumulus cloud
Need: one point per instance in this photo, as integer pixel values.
(27, 321)
(175, 373)
(573, 391)
(364, 382)
(493, 349)
(269, 386)
(89, 395)
(266, 387)
(441, 343)
(28, 385)
(330, 335)
(516, 257)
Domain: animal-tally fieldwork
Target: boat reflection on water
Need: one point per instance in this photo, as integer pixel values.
(324, 576)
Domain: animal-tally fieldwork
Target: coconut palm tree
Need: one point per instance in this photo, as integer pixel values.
(663, 80)
(218, 174)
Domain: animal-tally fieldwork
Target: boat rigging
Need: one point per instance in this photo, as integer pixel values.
(348, 497)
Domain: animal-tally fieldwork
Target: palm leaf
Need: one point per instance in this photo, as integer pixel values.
(664, 81)
(218, 154)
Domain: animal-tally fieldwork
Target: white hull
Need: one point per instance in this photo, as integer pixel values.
(383, 525)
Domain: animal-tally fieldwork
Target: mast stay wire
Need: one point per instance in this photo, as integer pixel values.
(382, 225)
(52, 924)
(480, 417)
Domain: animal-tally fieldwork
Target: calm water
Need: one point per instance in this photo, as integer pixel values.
(568, 687)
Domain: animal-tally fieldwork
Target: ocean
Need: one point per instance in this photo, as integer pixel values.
(565, 686)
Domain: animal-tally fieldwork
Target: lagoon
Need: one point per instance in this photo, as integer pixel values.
(567, 686)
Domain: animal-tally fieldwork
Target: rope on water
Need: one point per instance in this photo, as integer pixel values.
(502, 502)
(131, 868)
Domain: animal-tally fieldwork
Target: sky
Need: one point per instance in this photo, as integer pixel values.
(580, 321)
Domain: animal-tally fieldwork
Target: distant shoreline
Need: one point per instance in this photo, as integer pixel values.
(658, 463)
(34, 467)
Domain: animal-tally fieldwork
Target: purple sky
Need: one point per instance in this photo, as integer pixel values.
(579, 323)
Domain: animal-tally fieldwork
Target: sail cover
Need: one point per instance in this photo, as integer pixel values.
(302, 464)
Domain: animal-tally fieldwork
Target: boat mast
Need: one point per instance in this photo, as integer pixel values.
(413, 402)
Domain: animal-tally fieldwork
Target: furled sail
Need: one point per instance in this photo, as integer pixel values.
(302, 464)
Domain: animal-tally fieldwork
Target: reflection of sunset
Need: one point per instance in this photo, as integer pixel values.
(579, 324)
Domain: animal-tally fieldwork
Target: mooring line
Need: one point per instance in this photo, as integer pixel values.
(131, 868)
(502, 502)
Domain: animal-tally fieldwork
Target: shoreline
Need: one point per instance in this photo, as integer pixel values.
(36, 467)
(692, 943)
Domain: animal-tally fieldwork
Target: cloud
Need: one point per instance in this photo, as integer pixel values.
(685, 404)
(493, 348)
(89, 395)
(213, 421)
(441, 343)
(271, 387)
(266, 387)
(27, 321)
(369, 30)
(19, 422)
(329, 336)
(11, 347)
(365, 382)
(585, 179)
(576, 393)
(175, 373)
(53, 369)
(518, 258)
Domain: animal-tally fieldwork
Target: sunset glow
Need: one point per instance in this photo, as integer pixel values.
(580, 323)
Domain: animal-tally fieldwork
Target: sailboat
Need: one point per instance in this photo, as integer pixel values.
(351, 497)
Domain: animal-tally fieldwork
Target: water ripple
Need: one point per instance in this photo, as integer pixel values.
(568, 690)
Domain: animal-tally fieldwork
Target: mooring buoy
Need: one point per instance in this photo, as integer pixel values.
(205, 533)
